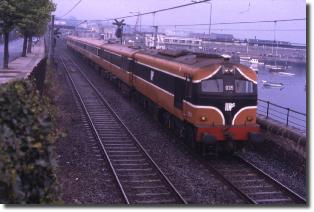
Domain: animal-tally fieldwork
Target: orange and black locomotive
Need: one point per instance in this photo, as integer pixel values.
(207, 99)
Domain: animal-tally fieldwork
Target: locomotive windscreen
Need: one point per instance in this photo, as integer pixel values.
(212, 85)
(243, 86)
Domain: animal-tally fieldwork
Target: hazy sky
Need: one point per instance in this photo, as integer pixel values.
(222, 11)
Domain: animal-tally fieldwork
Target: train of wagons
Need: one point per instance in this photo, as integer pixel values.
(207, 99)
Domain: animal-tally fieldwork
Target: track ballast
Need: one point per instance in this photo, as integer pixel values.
(139, 178)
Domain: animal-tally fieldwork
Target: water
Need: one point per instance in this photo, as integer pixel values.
(292, 95)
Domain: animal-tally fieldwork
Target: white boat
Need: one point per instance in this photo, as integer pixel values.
(254, 61)
(226, 56)
(275, 68)
(286, 73)
(272, 84)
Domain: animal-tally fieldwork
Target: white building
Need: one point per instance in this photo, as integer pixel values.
(173, 42)
(108, 32)
(150, 41)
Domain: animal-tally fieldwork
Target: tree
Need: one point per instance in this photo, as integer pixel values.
(31, 16)
(25, 22)
(9, 17)
(36, 15)
(42, 17)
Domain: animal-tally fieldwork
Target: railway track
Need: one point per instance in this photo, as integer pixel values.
(251, 183)
(139, 178)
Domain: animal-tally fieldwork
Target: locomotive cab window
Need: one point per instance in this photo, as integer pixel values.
(212, 85)
(244, 86)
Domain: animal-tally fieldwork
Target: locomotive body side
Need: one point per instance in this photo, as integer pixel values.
(114, 60)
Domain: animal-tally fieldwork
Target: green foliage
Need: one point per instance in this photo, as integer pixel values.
(26, 137)
(30, 16)
(8, 15)
(35, 16)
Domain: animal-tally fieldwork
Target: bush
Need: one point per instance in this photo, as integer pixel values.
(26, 137)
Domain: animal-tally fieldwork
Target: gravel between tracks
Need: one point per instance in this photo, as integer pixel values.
(80, 171)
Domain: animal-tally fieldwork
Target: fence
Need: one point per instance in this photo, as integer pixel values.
(39, 75)
(284, 115)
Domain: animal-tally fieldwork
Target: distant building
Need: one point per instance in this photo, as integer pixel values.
(108, 32)
(221, 37)
(135, 39)
(150, 41)
(172, 42)
(59, 22)
(213, 37)
(202, 36)
(258, 42)
(193, 44)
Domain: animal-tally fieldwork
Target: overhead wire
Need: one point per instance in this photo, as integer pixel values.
(255, 30)
(157, 11)
(72, 8)
(206, 24)
(236, 22)
(145, 13)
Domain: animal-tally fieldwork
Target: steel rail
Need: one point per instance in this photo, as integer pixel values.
(95, 132)
(129, 132)
(260, 175)
(231, 185)
(132, 135)
(291, 193)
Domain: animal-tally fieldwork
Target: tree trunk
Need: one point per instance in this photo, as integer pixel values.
(24, 46)
(30, 43)
(6, 50)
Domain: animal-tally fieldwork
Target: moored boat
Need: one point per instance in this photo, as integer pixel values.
(272, 84)
(254, 61)
(286, 73)
(276, 68)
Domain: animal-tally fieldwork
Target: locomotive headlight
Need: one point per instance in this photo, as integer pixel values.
(227, 70)
(203, 118)
(249, 118)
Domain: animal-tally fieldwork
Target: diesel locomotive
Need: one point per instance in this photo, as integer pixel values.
(206, 99)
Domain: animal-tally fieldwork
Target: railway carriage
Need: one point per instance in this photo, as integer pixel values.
(207, 99)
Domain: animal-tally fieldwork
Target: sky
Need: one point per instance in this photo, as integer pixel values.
(222, 11)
